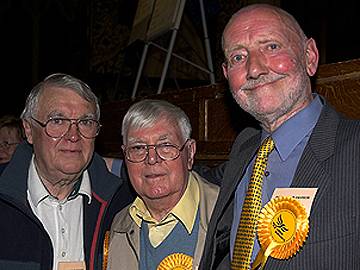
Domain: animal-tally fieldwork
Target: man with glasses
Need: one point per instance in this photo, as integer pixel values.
(167, 222)
(11, 134)
(57, 197)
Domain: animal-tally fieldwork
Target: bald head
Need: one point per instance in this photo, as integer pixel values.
(279, 15)
(268, 61)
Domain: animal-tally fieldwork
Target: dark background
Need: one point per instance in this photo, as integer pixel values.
(88, 39)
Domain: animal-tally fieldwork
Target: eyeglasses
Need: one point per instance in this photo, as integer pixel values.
(6, 145)
(58, 127)
(138, 153)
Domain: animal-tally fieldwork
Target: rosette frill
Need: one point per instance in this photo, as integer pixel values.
(176, 261)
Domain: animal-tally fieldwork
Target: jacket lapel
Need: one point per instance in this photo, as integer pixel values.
(310, 171)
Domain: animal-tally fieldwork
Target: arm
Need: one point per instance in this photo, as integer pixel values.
(213, 175)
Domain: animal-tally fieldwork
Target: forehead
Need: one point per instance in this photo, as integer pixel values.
(8, 132)
(258, 25)
(63, 100)
(162, 129)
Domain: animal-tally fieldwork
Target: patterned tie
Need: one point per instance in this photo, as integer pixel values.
(245, 235)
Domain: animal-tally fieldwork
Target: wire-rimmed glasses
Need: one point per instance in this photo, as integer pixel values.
(139, 152)
(56, 127)
(7, 145)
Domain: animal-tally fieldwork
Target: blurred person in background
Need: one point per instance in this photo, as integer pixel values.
(11, 135)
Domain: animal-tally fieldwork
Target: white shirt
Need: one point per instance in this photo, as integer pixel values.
(63, 220)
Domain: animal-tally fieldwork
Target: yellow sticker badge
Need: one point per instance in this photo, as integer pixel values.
(282, 228)
(176, 261)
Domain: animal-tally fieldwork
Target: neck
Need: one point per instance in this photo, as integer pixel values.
(271, 123)
(159, 208)
(60, 188)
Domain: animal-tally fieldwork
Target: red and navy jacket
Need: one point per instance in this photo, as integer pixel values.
(25, 242)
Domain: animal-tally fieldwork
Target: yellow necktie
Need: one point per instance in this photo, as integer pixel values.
(245, 235)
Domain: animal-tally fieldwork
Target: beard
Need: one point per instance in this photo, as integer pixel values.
(296, 94)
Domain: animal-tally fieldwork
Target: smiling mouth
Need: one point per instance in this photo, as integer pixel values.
(261, 82)
(70, 151)
(154, 176)
(254, 87)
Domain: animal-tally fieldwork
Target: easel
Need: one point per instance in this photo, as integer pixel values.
(178, 10)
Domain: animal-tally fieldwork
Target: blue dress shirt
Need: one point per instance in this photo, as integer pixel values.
(290, 140)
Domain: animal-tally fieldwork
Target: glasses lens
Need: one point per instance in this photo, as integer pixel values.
(4, 145)
(167, 151)
(89, 128)
(57, 127)
(136, 153)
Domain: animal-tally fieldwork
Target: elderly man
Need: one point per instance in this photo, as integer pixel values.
(56, 195)
(167, 222)
(304, 143)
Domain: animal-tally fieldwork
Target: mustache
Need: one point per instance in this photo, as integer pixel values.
(263, 79)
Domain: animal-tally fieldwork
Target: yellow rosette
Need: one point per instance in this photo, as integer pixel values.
(176, 261)
(282, 228)
(106, 249)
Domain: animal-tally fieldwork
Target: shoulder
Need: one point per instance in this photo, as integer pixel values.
(335, 134)
(100, 175)
(108, 162)
(205, 185)
(246, 137)
(348, 133)
(349, 126)
(122, 220)
(344, 128)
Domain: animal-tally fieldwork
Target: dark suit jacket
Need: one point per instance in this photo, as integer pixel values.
(330, 162)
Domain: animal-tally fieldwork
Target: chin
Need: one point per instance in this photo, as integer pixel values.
(157, 194)
(72, 170)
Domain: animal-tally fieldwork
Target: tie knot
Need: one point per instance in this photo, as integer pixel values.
(266, 147)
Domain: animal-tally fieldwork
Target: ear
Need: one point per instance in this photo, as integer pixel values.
(28, 130)
(191, 153)
(312, 57)
(224, 68)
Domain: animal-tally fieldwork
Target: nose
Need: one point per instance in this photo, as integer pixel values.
(152, 157)
(256, 65)
(73, 133)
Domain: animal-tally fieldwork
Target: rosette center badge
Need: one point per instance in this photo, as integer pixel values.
(283, 226)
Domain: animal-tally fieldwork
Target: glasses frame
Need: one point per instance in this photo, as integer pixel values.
(72, 122)
(7, 145)
(154, 146)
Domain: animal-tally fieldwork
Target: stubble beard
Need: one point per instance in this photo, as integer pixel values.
(296, 95)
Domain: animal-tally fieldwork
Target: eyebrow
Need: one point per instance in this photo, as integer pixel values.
(267, 41)
(234, 48)
(60, 114)
(132, 140)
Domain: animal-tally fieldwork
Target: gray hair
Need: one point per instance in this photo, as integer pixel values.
(147, 112)
(59, 80)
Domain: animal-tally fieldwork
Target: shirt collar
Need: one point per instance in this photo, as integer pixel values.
(295, 129)
(37, 191)
(185, 210)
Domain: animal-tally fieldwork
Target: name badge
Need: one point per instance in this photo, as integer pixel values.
(72, 266)
(303, 195)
